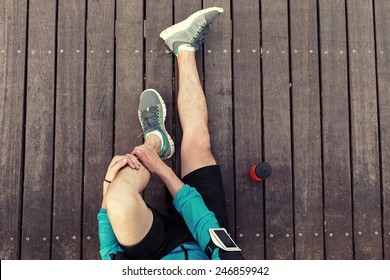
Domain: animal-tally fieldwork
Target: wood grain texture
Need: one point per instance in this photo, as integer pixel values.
(335, 126)
(382, 23)
(38, 167)
(218, 91)
(69, 127)
(364, 123)
(99, 116)
(129, 74)
(247, 115)
(63, 115)
(277, 130)
(13, 27)
(306, 130)
(159, 67)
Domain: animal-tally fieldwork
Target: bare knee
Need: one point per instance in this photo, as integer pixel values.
(121, 197)
(134, 179)
(198, 141)
(196, 151)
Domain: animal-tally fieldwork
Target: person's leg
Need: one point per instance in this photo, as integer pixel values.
(130, 217)
(184, 38)
(198, 164)
(195, 147)
(199, 167)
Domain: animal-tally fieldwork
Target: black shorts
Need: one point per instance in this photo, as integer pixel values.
(170, 231)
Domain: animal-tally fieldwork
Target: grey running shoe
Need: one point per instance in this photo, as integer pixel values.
(151, 113)
(191, 31)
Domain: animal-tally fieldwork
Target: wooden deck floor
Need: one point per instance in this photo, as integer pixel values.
(300, 84)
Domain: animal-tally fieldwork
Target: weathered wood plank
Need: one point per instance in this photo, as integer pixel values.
(183, 9)
(368, 150)
(277, 130)
(38, 167)
(306, 111)
(247, 146)
(159, 66)
(382, 23)
(129, 74)
(335, 127)
(218, 91)
(68, 165)
(364, 134)
(99, 125)
(13, 27)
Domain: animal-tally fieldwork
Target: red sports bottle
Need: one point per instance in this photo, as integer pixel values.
(260, 171)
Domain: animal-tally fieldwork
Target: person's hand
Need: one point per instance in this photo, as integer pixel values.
(133, 162)
(150, 159)
(117, 163)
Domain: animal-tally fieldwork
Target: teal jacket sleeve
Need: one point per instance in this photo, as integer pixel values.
(109, 245)
(199, 219)
(189, 203)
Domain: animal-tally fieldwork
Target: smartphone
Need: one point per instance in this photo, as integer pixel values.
(222, 239)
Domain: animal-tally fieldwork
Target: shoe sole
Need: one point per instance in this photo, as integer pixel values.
(183, 25)
(170, 140)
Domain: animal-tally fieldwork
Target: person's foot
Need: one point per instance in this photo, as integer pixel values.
(189, 34)
(151, 113)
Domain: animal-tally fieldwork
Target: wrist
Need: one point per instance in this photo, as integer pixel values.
(165, 174)
(172, 182)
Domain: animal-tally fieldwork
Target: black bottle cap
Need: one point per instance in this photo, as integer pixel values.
(263, 170)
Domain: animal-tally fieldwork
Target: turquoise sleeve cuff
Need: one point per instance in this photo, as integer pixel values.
(108, 242)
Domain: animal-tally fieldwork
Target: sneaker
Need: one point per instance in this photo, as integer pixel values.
(192, 31)
(152, 113)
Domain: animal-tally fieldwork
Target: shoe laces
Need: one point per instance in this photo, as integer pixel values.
(201, 35)
(150, 118)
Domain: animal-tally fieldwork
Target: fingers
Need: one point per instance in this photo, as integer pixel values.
(115, 159)
(133, 162)
(116, 164)
(142, 152)
(149, 158)
(137, 152)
